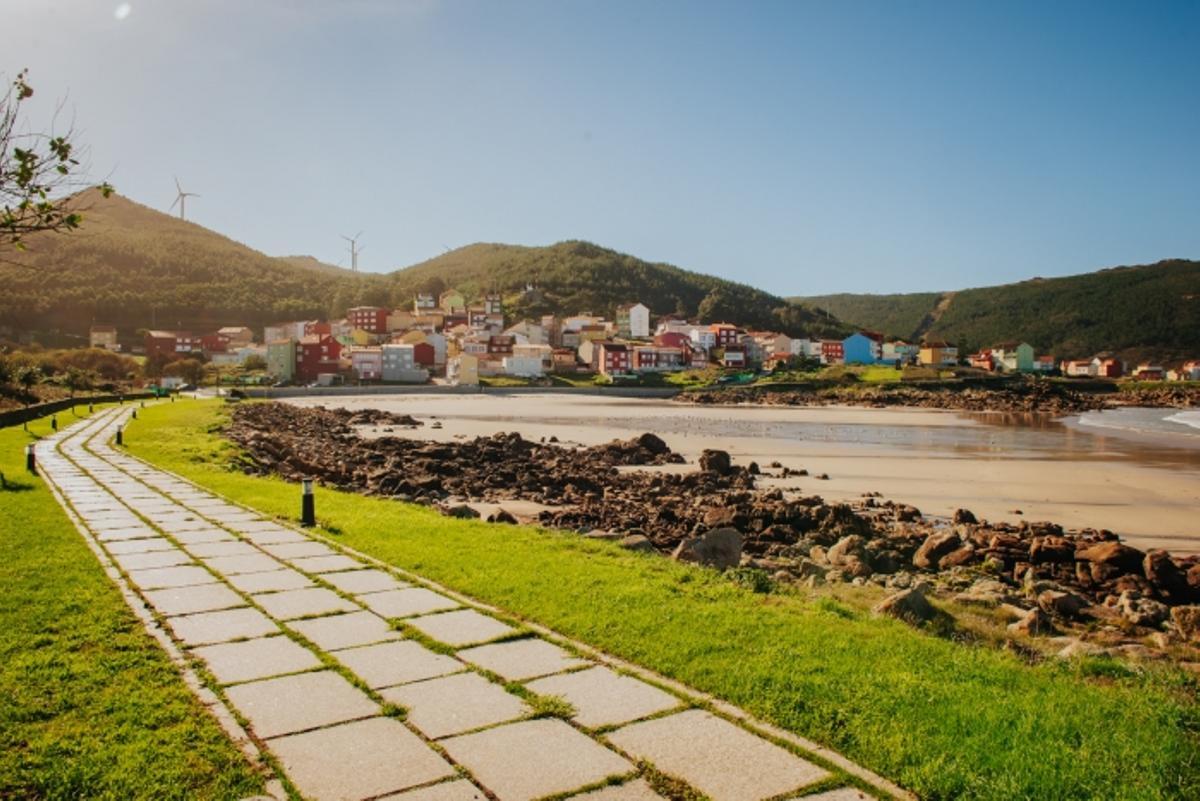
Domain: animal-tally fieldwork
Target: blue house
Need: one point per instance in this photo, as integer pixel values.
(860, 349)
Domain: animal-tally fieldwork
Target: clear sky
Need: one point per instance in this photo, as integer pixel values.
(804, 147)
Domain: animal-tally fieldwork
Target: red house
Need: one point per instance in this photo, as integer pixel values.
(171, 343)
(672, 339)
(317, 328)
(214, 343)
(423, 354)
(725, 334)
(371, 319)
(315, 354)
(832, 351)
(613, 358)
(1108, 368)
(501, 345)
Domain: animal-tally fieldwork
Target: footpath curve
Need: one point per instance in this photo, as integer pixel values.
(345, 678)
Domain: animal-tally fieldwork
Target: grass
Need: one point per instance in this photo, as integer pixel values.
(92, 707)
(941, 718)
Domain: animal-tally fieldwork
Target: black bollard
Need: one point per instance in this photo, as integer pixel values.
(308, 510)
(143, 404)
(90, 408)
(120, 432)
(53, 423)
(30, 459)
(134, 415)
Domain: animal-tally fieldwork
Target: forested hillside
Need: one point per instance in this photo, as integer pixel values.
(1147, 311)
(138, 268)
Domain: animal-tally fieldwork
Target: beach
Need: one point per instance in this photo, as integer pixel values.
(1125, 471)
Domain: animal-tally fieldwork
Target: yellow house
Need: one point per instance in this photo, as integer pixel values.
(412, 337)
(938, 354)
(463, 370)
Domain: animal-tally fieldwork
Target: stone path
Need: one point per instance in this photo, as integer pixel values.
(360, 682)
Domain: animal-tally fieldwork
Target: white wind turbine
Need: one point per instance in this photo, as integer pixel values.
(354, 249)
(181, 200)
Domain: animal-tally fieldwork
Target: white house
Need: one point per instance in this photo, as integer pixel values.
(633, 320)
(526, 366)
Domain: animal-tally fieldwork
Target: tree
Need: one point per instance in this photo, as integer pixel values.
(255, 362)
(190, 370)
(26, 376)
(38, 174)
(76, 379)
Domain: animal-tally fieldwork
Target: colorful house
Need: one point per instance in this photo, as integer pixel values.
(983, 360)
(633, 320)
(937, 353)
(316, 354)
(1107, 367)
(372, 319)
(612, 358)
(281, 359)
(899, 352)
(1014, 357)
(463, 370)
(1149, 372)
(400, 365)
(367, 363)
(452, 302)
(103, 336)
(860, 348)
(238, 336)
(832, 351)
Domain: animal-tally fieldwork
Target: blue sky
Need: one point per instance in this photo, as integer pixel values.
(802, 147)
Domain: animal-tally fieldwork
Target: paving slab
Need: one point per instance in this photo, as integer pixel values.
(365, 759)
(290, 704)
(390, 663)
(123, 533)
(139, 546)
(346, 631)
(189, 600)
(291, 604)
(293, 550)
(230, 547)
(203, 535)
(519, 660)
(235, 565)
(362, 581)
(272, 581)
(463, 627)
(840, 794)
(159, 577)
(531, 759)
(457, 790)
(182, 526)
(325, 564)
(257, 524)
(603, 697)
(407, 602)
(455, 704)
(718, 758)
(205, 628)
(272, 535)
(143, 561)
(234, 662)
(636, 790)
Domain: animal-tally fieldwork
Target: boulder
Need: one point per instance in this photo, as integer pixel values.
(1051, 549)
(964, 517)
(1034, 623)
(1064, 605)
(848, 547)
(1112, 554)
(1077, 648)
(1168, 581)
(1187, 621)
(719, 547)
(1141, 611)
(909, 605)
(602, 534)
(461, 511)
(985, 592)
(637, 542)
(502, 516)
(714, 461)
(934, 548)
(962, 555)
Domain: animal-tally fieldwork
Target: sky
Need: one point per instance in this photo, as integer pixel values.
(802, 147)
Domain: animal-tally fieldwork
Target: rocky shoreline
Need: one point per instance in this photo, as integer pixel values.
(1017, 396)
(1088, 584)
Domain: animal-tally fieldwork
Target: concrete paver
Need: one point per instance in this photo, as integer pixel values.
(222, 548)
(203, 535)
(204, 628)
(292, 550)
(531, 759)
(463, 627)
(458, 790)
(233, 565)
(519, 660)
(407, 602)
(359, 760)
(260, 658)
(157, 578)
(362, 581)
(455, 704)
(274, 534)
(346, 631)
(139, 546)
(291, 604)
(296, 703)
(272, 581)
(390, 663)
(325, 564)
(636, 790)
(189, 600)
(721, 760)
(840, 794)
(142, 561)
(602, 697)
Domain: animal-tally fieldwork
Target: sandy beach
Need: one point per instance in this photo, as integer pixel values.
(1145, 488)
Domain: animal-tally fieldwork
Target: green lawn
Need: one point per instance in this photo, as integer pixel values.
(92, 707)
(944, 719)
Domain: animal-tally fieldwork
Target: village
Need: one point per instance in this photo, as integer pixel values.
(448, 341)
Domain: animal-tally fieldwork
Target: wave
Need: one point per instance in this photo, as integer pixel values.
(1191, 419)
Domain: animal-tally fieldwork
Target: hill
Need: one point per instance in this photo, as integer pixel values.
(139, 268)
(572, 277)
(1143, 311)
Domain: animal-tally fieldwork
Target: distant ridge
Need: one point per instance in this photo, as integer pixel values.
(1140, 311)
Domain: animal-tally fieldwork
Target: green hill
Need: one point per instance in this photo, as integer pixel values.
(139, 268)
(1146, 311)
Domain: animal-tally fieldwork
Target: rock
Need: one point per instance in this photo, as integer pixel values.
(934, 548)
(964, 517)
(601, 534)
(907, 514)
(461, 511)
(1112, 554)
(985, 592)
(714, 461)
(1064, 605)
(845, 549)
(1168, 581)
(719, 547)
(1052, 549)
(637, 542)
(1076, 648)
(502, 516)
(909, 605)
(963, 555)
(651, 442)
(1187, 621)
(1034, 623)
(1141, 611)
(1193, 578)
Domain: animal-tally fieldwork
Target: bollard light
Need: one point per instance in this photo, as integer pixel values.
(30, 459)
(91, 408)
(120, 432)
(308, 511)
(54, 422)
(134, 415)
(143, 404)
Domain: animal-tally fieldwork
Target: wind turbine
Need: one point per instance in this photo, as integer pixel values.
(354, 249)
(181, 199)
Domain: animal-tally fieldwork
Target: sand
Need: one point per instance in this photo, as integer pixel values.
(937, 461)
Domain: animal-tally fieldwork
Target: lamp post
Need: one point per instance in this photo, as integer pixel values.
(308, 511)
